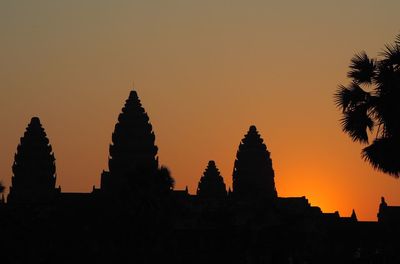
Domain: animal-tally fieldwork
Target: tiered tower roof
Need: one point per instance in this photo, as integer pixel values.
(211, 184)
(253, 175)
(133, 146)
(34, 169)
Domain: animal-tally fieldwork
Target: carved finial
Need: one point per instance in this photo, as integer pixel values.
(353, 215)
(253, 128)
(383, 202)
(35, 120)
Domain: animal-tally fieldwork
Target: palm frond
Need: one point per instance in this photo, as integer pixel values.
(351, 96)
(386, 79)
(342, 97)
(387, 110)
(356, 122)
(383, 155)
(362, 68)
(397, 41)
(391, 56)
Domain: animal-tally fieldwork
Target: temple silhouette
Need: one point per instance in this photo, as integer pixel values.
(136, 216)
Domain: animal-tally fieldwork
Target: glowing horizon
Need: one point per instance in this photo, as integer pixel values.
(204, 73)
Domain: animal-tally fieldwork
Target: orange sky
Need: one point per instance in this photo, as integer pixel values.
(205, 71)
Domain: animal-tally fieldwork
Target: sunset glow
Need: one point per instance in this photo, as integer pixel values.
(204, 72)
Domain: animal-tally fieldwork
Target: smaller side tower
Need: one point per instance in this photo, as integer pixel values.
(211, 185)
(34, 168)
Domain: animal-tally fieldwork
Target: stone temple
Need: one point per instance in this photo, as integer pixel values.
(136, 216)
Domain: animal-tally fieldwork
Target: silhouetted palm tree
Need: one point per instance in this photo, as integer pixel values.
(372, 101)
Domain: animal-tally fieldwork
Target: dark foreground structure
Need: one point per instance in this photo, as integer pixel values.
(136, 216)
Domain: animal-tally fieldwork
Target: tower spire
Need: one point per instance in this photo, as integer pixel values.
(253, 175)
(211, 184)
(133, 150)
(34, 167)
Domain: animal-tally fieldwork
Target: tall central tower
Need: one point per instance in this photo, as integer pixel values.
(253, 175)
(133, 153)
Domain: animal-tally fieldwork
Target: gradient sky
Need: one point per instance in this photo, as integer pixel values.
(205, 71)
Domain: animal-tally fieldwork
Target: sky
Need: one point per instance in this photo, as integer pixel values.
(205, 71)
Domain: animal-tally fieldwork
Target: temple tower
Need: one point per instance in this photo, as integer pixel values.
(253, 175)
(211, 185)
(133, 152)
(34, 169)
